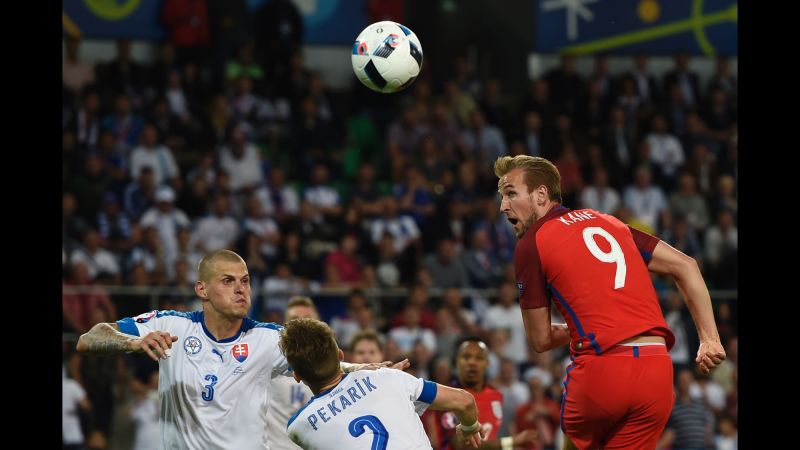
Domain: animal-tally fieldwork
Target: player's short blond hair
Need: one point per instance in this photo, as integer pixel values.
(205, 270)
(538, 172)
(310, 347)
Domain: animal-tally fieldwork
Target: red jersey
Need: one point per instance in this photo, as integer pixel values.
(594, 267)
(490, 415)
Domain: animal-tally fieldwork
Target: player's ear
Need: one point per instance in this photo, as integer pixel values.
(200, 290)
(341, 355)
(540, 195)
(296, 377)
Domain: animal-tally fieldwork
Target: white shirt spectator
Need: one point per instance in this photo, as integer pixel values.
(489, 143)
(144, 415)
(322, 196)
(101, 261)
(645, 204)
(167, 225)
(713, 394)
(244, 172)
(500, 318)
(716, 242)
(264, 228)
(406, 338)
(666, 151)
(603, 199)
(160, 159)
(71, 395)
(403, 228)
(287, 196)
(215, 233)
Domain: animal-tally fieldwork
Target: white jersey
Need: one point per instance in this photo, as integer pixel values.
(367, 410)
(286, 397)
(214, 394)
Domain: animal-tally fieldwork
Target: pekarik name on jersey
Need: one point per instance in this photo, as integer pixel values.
(576, 216)
(342, 401)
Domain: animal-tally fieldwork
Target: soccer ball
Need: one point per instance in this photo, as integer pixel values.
(387, 57)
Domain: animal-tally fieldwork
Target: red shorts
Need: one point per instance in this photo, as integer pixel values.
(621, 399)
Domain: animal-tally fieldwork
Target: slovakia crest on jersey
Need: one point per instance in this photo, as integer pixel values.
(240, 352)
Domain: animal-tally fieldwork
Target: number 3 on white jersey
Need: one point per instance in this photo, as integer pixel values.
(614, 256)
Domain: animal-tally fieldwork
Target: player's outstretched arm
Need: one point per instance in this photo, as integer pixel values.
(106, 339)
(684, 269)
(352, 367)
(463, 405)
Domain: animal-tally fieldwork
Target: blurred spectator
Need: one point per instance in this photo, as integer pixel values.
(322, 196)
(418, 297)
(114, 224)
(281, 286)
(645, 200)
(414, 196)
(76, 74)
(482, 267)
(230, 26)
(366, 347)
(148, 254)
(721, 250)
(683, 237)
(687, 202)
(599, 195)
(723, 374)
(724, 79)
(195, 197)
(243, 158)
(443, 130)
(89, 186)
(218, 230)
(365, 194)
(144, 414)
(540, 413)
(678, 320)
(725, 196)
(618, 141)
(86, 123)
(244, 65)
(73, 227)
(123, 75)
(279, 34)
(566, 84)
(728, 436)
(646, 85)
(515, 393)
(570, 170)
(719, 114)
(708, 392)
(703, 165)
(532, 133)
(188, 26)
(458, 103)
(167, 219)
(684, 78)
(278, 199)
(407, 131)
(153, 154)
(690, 425)
(402, 228)
(504, 315)
(263, 227)
(140, 194)
(124, 123)
(345, 259)
(446, 266)
(484, 142)
(345, 325)
(495, 105)
(666, 151)
(501, 233)
(407, 335)
(101, 263)
(73, 402)
(83, 309)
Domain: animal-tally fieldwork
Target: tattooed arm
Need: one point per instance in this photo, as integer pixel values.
(106, 339)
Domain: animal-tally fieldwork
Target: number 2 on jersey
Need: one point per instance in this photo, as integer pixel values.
(614, 256)
(380, 437)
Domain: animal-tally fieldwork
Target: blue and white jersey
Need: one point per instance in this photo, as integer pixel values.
(214, 394)
(367, 410)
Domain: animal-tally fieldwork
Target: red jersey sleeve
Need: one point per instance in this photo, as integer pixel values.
(530, 279)
(646, 243)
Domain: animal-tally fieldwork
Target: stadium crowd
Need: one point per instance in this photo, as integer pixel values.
(381, 208)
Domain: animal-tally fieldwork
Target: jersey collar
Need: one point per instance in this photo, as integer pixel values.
(246, 325)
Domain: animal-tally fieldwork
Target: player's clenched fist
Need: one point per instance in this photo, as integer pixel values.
(156, 344)
(710, 355)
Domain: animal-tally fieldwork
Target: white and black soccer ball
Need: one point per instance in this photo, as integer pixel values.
(387, 57)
